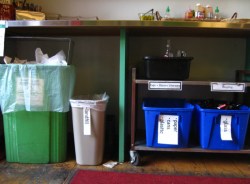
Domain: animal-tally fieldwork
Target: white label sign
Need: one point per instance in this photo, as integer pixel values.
(2, 37)
(29, 91)
(225, 128)
(168, 129)
(165, 85)
(227, 87)
(86, 121)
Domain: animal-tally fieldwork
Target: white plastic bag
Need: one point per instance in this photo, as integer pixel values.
(58, 59)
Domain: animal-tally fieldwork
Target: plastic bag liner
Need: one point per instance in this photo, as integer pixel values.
(97, 102)
(36, 87)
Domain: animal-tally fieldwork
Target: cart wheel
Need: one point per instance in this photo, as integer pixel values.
(134, 158)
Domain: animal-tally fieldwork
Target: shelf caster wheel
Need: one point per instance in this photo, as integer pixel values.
(135, 158)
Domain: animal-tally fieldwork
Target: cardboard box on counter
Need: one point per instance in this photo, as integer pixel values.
(29, 15)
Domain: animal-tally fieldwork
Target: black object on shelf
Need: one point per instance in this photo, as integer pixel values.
(165, 68)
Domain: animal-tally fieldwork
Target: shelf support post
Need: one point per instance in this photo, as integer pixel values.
(122, 77)
(247, 66)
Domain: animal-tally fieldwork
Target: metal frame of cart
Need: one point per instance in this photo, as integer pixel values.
(137, 146)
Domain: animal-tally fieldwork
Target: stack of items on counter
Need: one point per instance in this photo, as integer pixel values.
(203, 12)
(20, 10)
(219, 126)
(199, 12)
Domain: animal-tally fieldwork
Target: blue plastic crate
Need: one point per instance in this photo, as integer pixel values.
(178, 111)
(210, 131)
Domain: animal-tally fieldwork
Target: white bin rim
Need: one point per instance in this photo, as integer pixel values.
(96, 101)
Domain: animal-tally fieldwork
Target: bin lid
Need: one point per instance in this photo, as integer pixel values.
(97, 101)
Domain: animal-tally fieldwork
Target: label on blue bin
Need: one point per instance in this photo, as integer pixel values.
(168, 129)
(86, 121)
(225, 128)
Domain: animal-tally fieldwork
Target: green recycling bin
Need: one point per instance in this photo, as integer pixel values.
(35, 104)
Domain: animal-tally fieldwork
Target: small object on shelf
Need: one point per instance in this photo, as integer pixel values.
(189, 14)
(29, 15)
(217, 13)
(168, 50)
(167, 14)
(7, 12)
(221, 106)
(149, 15)
(181, 53)
(209, 12)
(199, 11)
(165, 68)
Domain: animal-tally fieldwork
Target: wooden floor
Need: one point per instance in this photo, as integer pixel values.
(198, 164)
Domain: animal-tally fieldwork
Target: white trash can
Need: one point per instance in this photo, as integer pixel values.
(88, 114)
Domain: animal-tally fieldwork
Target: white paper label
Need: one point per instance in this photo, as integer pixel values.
(29, 91)
(165, 85)
(225, 128)
(168, 129)
(227, 87)
(2, 37)
(86, 121)
(83, 103)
